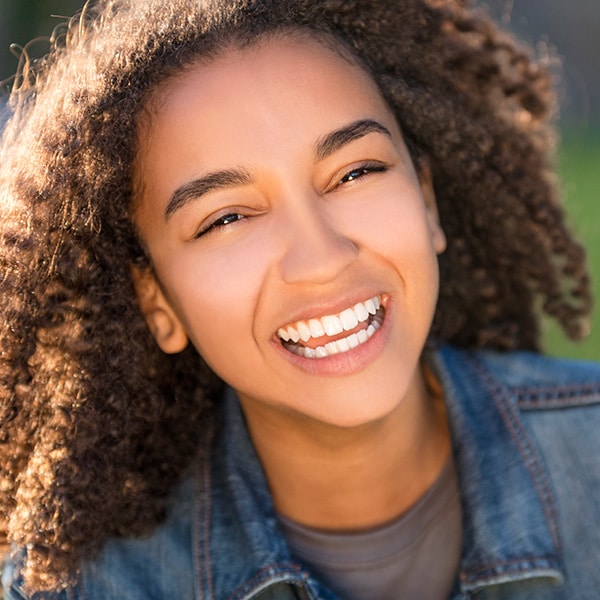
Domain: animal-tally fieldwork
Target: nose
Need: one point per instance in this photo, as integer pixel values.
(316, 250)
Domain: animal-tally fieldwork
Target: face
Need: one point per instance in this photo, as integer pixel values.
(292, 241)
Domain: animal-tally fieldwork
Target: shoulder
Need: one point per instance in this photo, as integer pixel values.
(12, 582)
(558, 400)
(158, 565)
(533, 381)
(526, 434)
(553, 403)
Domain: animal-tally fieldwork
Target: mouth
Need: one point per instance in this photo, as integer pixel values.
(333, 334)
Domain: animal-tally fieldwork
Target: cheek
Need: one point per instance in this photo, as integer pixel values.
(398, 235)
(216, 293)
(395, 226)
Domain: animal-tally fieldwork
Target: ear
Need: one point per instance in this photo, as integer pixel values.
(162, 321)
(438, 237)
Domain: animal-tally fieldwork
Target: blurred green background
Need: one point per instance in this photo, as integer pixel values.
(556, 28)
(579, 162)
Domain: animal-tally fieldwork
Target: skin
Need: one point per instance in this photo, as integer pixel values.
(316, 225)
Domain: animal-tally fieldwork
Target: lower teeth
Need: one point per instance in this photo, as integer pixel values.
(341, 345)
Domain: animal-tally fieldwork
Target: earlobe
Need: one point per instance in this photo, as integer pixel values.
(438, 237)
(163, 323)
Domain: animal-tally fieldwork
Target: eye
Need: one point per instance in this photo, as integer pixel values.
(219, 223)
(361, 171)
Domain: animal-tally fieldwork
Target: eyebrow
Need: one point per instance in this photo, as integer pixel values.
(203, 185)
(228, 178)
(340, 137)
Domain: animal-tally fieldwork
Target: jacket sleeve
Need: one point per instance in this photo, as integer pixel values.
(12, 582)
(9, 576)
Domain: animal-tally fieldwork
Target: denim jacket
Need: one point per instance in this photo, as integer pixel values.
(526, 441)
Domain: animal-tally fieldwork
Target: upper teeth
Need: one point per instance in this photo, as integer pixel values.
(330, 324)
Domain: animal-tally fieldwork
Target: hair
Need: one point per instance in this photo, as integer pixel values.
(90, 408)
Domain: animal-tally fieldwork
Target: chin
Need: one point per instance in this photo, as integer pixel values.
(358, 407)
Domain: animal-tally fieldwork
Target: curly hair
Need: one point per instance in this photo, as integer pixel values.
(96, 423)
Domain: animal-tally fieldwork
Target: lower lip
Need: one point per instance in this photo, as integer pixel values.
(344, 363)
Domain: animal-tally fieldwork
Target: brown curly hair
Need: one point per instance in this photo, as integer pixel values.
(96, 424)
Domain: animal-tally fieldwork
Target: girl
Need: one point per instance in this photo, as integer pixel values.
(272, 274)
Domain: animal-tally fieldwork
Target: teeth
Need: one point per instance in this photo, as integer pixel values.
(343, 345)
(370, 306)
(320, 352)
(331, 348)
(331, 324)
(339, 346)
(349, 319)
(316, 328)
(303, 331)
(294, 335)
(353, 340)
(362, 314)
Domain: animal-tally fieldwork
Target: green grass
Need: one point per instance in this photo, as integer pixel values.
(580, 170)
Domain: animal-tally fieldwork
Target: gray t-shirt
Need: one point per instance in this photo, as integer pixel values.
(415, 556)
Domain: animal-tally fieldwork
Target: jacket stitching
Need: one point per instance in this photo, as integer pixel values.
(202, 542)
(519, 563)
(266, 572)
(521, 438)
(555, 397)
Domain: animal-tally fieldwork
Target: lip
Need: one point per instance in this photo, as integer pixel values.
(346, 363)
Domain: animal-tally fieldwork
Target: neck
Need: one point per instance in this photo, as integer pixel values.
(353, 478)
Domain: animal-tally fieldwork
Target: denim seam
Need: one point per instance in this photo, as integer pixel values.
(481, 576)
(474, 585)
(202, 525)
(528, 451)
(567, 396)
(266, 573)
(16, 590)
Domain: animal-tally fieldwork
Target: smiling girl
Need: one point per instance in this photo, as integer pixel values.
(272, 275)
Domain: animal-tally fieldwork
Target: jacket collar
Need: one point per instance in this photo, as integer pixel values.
(510, 525)
(239, 549)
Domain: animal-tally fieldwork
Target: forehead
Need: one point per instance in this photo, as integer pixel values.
(259, 105)
(287, 61)
(278, 43)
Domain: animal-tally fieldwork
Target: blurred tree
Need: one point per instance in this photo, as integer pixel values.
(22, 21)
(568, 30)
